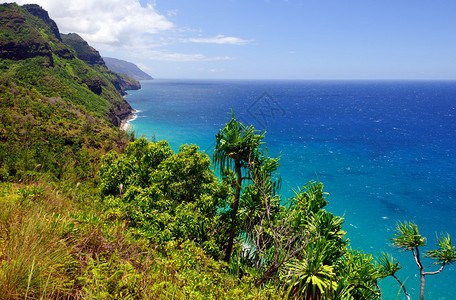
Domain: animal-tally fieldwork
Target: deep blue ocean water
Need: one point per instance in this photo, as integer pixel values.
(385, 150)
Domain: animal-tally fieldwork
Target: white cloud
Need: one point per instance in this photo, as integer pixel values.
(172, 13)
(212, 70)
(113, 22)
(177, 57)
(220, 39)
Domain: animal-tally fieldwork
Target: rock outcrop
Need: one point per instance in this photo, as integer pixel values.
(39, 12)
(83, 50)
(19, 40)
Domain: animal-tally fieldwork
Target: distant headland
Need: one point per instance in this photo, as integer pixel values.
(125, 67)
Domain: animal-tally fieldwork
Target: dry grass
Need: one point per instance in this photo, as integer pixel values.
(53, 246)
(33, 253)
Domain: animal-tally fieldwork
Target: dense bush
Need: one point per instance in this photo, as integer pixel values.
(166, 195)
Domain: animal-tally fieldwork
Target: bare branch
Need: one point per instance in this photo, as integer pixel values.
(436, 272)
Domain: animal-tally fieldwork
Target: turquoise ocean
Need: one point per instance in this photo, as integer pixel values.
(385, 150)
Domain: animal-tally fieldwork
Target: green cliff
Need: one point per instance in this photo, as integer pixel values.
(34, 54)
(59, 103)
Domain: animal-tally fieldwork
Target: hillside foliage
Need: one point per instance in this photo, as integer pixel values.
(35, 55)
(42, 134)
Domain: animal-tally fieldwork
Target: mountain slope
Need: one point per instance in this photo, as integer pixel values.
(125, 67)
(58, 112)
(34, 54)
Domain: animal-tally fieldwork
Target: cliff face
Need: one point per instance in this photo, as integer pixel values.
(21, 36)
(92, 57)
(39, 12)
(83, 50)
(35, 54)
(31, 44)
(126, 82)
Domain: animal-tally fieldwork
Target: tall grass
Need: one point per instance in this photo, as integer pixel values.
(56, 245)
(33, 254)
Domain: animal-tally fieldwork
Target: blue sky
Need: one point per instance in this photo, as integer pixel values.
(270, 39)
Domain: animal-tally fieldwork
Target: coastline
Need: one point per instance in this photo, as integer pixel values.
(125, 123)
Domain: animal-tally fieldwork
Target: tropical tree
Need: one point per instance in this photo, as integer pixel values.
(294, 233)
(237, 146)
(408, 238)
(310, 278)
(357, 272)
(388, 266)
(299, 245)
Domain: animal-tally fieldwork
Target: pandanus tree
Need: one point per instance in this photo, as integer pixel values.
(388, 266)
(310, 277)
(237, 146)
(408, 238)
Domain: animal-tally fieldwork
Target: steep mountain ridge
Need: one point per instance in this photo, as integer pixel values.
(92, 57)
(37, 11)
(58, 108)
(35, 54)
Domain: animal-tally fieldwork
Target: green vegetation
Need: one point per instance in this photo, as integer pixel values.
(57, 111)
(34, 55)
(408, 238)
(237, 146)
(165, 196)
(55, 244)
(44, 134)
(298, 250)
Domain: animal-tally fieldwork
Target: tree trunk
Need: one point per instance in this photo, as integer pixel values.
(422, 285)
(267, 274)
(237, 168)
(420, 266)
